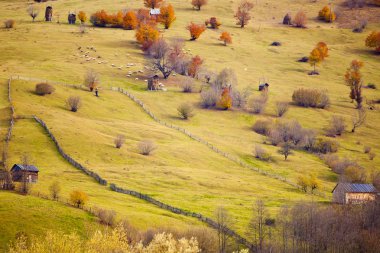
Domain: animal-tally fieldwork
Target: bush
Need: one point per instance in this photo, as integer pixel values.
(43, 89)
(225, 101)
(257, 104)
(74, 103)
(55, 190)
(146, 147)
(336, 126)
(300, 20)
(261, 154)
(119, 140)
(371, 156)
(371, 86)
(213, 22)
(185, 111)
(78, 198)
(367, 149)
(10, 23)
(187, 85)
(106, 217)
(281, 108)
(195, 30)
(338, 165)
(209, 98)
(325, 146)
(262, 126)
(311, 98)
(327, 14)
(354, 174)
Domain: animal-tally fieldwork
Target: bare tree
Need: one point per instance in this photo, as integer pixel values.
(92, 79)
(198, 3)
(224, 222)
(55, 190)
(24, 186)
(257, 104)
(336, 126)
(226, 78)
(286, 149)
(119, 140)
(187, 84)
(359, 119)
(243, 13)
(146, 147)
(281, 108)
(33, 11)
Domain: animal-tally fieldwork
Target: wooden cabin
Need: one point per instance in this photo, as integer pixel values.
(72, 18)
(49, 14)
(263, 86)
(154, 13)
(153, 83)
(348, 193)
(22, 173)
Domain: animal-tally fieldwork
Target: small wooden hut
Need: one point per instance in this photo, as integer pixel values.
(153, 83)
(154, 13)
(287, 19)
(263, 86)
(348, 193)
(72, 18)
(24, 173)
(49, 14)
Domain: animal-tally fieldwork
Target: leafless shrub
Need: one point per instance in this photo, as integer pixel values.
(311, 98)
(338, 165)
(185, 110)
(209, 97)
(187, 85)
(336, 126)
(359, 119)
(92, 79)
(324, 146)
(82, 28)
(262, 126)
(281, 108)
(119, 140)
(367, 149)
(44, 88)
(226, 78)
(300, 20)
(74, 103)
(371, 156)
(354, 174)
(181, 66)
(355, 3)
(146, 147)
(239, 99)
(106, 217)
(33, 11)
(287, 131)
(10, 23)
(261, 153)
(257, 104)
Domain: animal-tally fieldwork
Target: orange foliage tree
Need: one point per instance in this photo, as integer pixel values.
(146, 35)
(323, 49)
(116, 20)
(327, 14)
(100, 18)
(194, 66)
(130, 21)
(167, 15)
(315, 57)
(82, 17)
(373, 40)
(226, 38)
(143, 15)
(152, 3)
(354, 80)
(198, 3)
(225, 101)
(213, 22)
(195, 30)
(243, 13)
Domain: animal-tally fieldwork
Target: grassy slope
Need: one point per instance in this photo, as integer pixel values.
(33, 216)
(181, 172)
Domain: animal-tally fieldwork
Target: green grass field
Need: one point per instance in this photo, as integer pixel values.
(181, 172)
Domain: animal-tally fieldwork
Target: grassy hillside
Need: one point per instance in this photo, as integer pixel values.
(33, 216)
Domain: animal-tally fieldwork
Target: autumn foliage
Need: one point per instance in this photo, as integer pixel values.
(78, 198)
(373, 40)
(146, 35)
(322, 46)
(130, 21)
(226, 38)
(213, 22)
(354, 80)
(318, 54)
(327, 14)
(194, 66)
(195, 30)
(225, 101)
(243, 13)
(82, 17)
(100, 18)
(167, 15)
(198, 3)
(152, 3)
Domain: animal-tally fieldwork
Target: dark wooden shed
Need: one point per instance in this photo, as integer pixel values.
(348, 193)
(49, 14)
(263, 86)
(24, 173)
(72, 18)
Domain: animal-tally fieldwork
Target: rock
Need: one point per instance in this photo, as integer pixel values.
(276, 44)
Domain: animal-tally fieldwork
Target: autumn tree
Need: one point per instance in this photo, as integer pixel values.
(194, 66)
(213, 22)
(152, 3)
(373, 40)
(225, 101)
(322, 46)
(143, 15)
(33, 11)
(130, 21)
(167, 15)
(195, 30)
(243, 13)
(82, 17)
(92, 79)
(315, 58)
(354, 80)
(78, 198)
(99, 18)
(198, 4)
(226, 38)
(146, 35)
(327, 14)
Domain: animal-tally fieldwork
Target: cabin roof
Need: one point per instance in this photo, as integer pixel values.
(30, 168)
(357, 188)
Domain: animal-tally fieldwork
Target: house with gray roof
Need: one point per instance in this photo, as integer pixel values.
(24, 173)
(350, 193)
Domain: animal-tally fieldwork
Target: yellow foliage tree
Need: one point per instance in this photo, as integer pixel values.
(327, 14)
(322, 46)
(78, 198)
(82, 17)
(373, 40)
(167, 15)
(315, 57)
